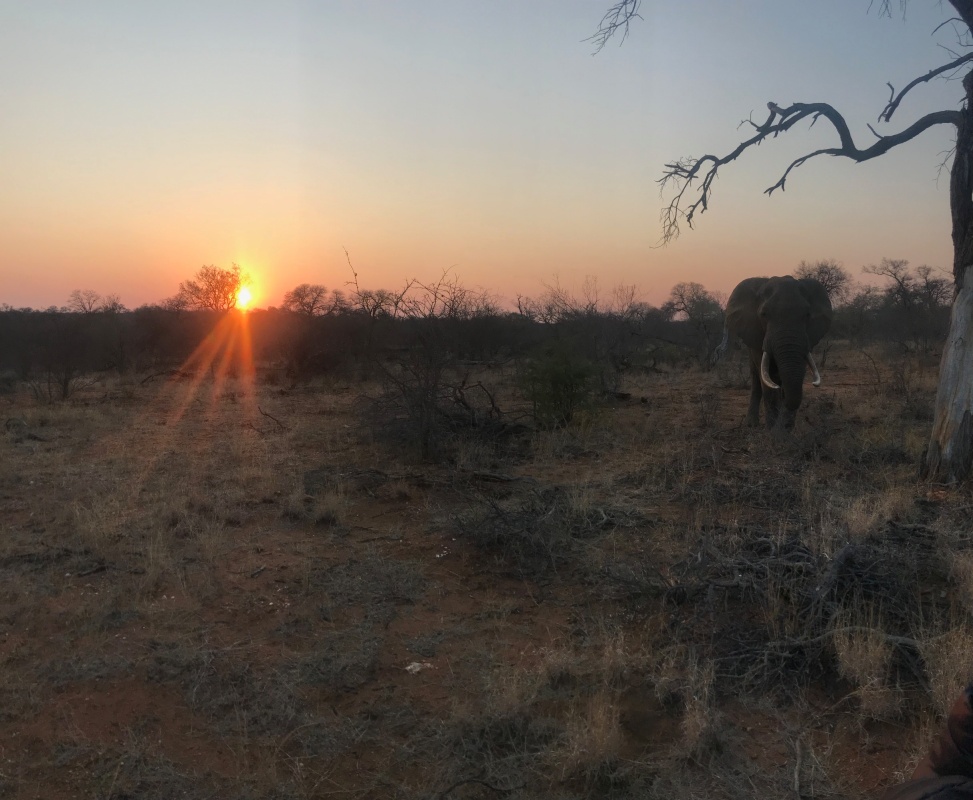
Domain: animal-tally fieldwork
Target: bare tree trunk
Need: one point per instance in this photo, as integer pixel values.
(949, 456)
(950, 452)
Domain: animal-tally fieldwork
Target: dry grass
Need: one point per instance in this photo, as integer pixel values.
(864, 658)
(211, 604)
(869, 513)
(947, 658)
(592, 742)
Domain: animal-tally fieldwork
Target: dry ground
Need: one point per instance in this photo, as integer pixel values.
(208, 591)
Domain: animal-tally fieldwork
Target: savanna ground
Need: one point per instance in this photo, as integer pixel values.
(225, 590)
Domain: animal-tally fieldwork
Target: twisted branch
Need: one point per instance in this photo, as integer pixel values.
(780, 120)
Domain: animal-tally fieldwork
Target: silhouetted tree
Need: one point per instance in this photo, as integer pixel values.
(64, 353)
(84, 301)
(914, 305)
(835, 279)
(307, 298)
(703, 313)
(213, 289)
(112, 305)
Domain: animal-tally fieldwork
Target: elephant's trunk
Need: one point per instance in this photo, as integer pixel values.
(787, 357)
(769, 382)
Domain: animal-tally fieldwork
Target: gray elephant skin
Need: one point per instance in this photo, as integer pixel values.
(780, 320)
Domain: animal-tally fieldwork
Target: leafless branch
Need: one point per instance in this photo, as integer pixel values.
(965, 9)
(895, 99)
(946, 22)
(279, 423)
(685, 171)
(885, 7)
(617, 18)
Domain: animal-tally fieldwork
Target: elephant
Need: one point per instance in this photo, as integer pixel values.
(779, 320)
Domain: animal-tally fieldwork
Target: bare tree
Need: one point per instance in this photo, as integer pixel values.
(934, 292)
(379, 302)
(213, 289)
(902, 290)
(913, 303)
(691, 300)
(175, 303)
(423, 377)
(835, 279)
(339, 303)
(310, 299)
(949, 456)
(84, 301)
(911, 289)
(701, 310)
(558, 303)
(112, 304)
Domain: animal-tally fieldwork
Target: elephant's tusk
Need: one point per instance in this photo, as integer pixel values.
(765, 372)
(814, 369)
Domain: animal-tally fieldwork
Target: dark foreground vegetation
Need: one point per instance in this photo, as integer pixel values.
(447, 552)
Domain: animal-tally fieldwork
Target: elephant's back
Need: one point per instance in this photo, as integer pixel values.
(746, 291)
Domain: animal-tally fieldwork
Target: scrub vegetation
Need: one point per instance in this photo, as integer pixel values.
(410, 545)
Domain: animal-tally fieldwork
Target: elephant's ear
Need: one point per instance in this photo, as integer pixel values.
(742, 312)
(820, 322)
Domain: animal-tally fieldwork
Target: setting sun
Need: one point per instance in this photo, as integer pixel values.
(244, 298)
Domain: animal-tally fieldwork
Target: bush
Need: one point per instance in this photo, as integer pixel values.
(558, 385)
(8, 382)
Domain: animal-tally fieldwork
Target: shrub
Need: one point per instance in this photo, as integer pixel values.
(558, 384)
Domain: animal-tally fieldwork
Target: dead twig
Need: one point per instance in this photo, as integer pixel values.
(155, 375)
(279, 423)
(446, 792)
(495, 477)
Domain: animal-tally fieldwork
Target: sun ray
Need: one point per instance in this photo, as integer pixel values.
(247, 368)
(199, 363)
(225, 354)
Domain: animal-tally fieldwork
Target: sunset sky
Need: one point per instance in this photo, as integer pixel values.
(140, 141)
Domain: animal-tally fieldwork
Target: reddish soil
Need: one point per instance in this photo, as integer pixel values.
(153, 563)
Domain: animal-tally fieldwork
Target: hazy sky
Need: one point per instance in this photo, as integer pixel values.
(141, 140)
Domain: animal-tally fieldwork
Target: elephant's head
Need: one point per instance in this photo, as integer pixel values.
(780, 320)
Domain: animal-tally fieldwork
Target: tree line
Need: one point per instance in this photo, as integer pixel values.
(317, 330)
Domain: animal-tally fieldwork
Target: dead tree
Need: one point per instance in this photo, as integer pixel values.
(949, 456)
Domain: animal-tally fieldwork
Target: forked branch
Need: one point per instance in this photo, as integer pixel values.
(684, 172)
(895, 99)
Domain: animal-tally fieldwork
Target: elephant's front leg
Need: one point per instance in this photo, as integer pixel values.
(771, 405)
(753, 412)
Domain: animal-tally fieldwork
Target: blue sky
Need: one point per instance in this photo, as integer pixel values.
(140, 141)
